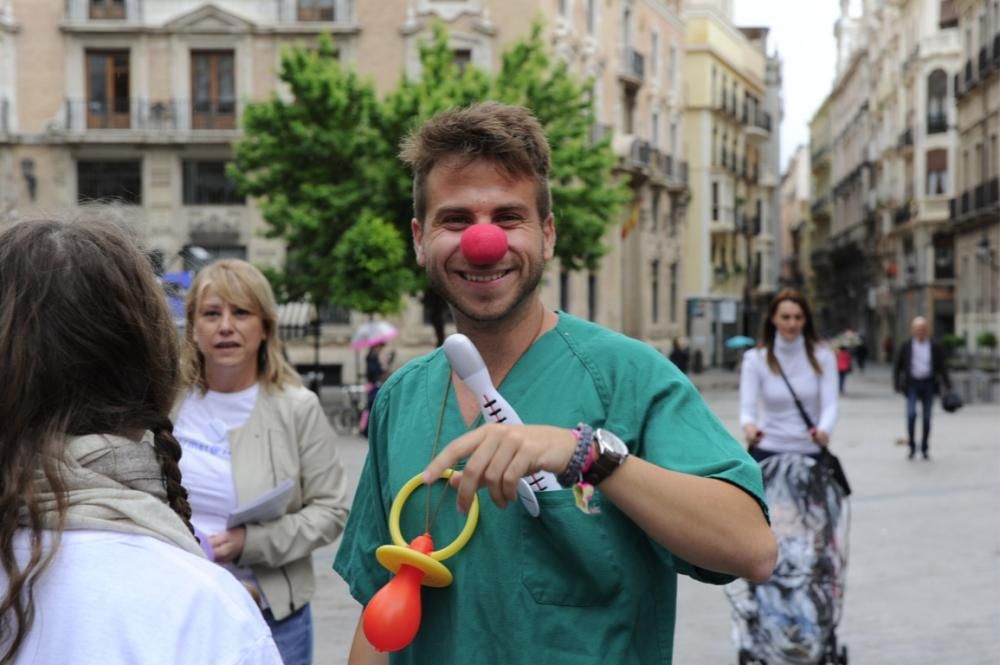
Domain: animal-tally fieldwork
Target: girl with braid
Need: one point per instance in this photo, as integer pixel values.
(246, 425)
(100, 564)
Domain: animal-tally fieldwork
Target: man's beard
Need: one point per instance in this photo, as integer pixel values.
(524, 293)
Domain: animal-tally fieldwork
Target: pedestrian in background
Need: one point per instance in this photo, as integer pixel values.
(246, 424)
(611, 416)
(844, 365)
(789, 365)
(861, 353)
(680, 354)
(100, 564)
(920, 371)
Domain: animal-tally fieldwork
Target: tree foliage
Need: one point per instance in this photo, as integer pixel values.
(327, 160)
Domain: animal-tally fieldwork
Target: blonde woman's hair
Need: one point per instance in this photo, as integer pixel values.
(241, 284)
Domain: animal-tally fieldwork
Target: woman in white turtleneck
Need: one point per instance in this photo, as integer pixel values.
(770, 419)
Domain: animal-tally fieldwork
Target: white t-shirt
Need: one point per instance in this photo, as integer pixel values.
(202, 428)
(111, 598)
(766, 401)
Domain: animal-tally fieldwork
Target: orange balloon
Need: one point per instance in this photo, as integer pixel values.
(392, 617)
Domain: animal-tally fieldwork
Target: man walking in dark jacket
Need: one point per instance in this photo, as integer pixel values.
(918, 373)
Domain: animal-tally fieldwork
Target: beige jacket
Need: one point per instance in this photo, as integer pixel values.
(288, 436)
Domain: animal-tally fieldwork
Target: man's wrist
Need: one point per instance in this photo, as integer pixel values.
(573, 472)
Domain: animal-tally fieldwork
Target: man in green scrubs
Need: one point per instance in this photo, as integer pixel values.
(674, 491)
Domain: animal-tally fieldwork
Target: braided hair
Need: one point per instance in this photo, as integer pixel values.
(168, 453)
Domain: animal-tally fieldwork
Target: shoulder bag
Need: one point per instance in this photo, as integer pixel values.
(825, 456)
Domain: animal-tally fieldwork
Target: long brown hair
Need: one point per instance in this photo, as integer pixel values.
(808, 330)
(239, 283)
(87, 346)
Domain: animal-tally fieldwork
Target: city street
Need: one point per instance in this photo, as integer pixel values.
(924, 572)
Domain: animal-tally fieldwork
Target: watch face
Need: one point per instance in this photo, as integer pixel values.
(609, 441)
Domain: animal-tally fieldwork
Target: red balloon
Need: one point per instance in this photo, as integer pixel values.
(392, 617)
(483, 244)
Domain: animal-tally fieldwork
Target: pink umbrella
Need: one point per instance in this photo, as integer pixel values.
(373, 333)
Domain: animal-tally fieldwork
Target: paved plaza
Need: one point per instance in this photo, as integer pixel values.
(923, 584)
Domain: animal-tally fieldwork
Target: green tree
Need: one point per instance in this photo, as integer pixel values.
(308, 164)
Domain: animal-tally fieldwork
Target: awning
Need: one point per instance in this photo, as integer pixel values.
(295, 319)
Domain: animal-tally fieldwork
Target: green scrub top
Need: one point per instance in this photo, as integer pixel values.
(563, 587)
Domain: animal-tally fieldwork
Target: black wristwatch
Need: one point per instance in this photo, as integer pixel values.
(611, 453)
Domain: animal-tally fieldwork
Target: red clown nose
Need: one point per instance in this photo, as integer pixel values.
(483, 244)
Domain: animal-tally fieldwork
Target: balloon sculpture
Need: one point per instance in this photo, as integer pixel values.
(392, 617)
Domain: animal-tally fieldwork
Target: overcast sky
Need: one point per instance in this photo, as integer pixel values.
(802, 33)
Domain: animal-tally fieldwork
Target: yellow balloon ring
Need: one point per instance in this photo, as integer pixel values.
(397, 508)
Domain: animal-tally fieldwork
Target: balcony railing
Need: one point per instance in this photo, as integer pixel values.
(150, 115)
(633, 64)
(937, 123)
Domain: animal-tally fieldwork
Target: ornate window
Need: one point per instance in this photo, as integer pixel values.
(213, 90)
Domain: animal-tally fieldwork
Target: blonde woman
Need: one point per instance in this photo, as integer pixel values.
(246, 424)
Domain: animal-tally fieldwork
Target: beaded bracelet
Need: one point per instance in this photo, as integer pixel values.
(574, 470)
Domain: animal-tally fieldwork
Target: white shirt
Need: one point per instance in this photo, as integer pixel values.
(766, 401)
(111, 598)
(202, 428)
(920, 359)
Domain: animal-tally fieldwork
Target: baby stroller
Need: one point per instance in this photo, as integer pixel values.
(791, 619)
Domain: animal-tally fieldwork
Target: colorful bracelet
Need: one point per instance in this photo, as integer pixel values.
(583, 492)
(574, 470)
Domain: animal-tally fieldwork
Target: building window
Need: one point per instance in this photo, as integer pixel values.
(715, 201)
(948, 16)
(592, 296)
(656, 210)
(107, 89)
(591, 16)
(655, 291)
(654, 125)
(564, 290)
(937, 172)
(937, 99)
(673, 292)
(213, 90)
(463, 58)
(206, 183)
(654, 55)
(109, 181)
(107, 9)
(317, 10)
(673, 65)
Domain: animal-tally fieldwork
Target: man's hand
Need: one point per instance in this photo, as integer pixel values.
(499, 456)
(228, 545)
